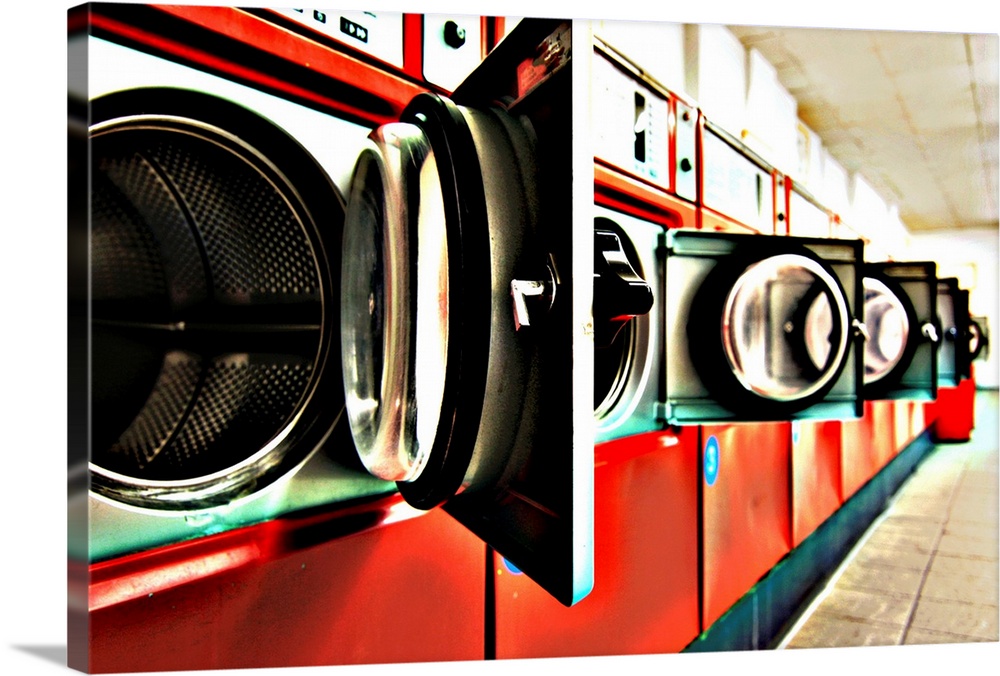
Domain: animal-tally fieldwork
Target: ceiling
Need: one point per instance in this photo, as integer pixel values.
(915, 113)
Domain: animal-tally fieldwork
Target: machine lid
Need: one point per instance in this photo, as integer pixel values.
(954, 361)
(900, 356)
(770, 327)
(979, 339)
(963, 355)
(395, 296)
(459, 338)
(415, 322)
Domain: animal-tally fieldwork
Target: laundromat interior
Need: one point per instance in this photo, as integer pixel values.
(710, 367)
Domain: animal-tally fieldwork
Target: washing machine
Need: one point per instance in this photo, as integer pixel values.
(211, 318)
(761, 327)
(953, 364)
(775, 343)
(309, 287)
(903, 336)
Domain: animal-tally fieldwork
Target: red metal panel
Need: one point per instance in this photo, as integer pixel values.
(714, 221)
(902, 424)
(955, 412)
(746, 513)
(930, 413)
(858, 461)
(278, 595)
(785, 228)
(815, 475)
(297, 50)
(617, 190)
(413, 45)
(883, 433)
(918, 418)
(645, 597)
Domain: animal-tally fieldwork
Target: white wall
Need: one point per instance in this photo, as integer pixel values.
(657, 48)
(974, 258)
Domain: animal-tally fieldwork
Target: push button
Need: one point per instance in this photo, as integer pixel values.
(454, 35)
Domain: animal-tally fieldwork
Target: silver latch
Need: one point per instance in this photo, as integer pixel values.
(929, 331)
(532, 298)
(860, 329)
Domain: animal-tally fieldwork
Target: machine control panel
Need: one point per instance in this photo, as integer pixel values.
(686, 172)
(806, 219)
(735, 185)
(452, 48)
(631, 124)
(378, 34)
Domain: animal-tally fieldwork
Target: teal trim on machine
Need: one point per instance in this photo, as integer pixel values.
(758, 619)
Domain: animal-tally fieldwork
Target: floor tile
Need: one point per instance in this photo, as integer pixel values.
(882, 579)
(972, 529)
(962, 588)
(867, 606)
(959, 565)
(926, 636)
(920, 506)
(892, 558)
(918, 543)
(836, 632)
(973, 548)
(928, 572)
(978, 621)
(908, 523)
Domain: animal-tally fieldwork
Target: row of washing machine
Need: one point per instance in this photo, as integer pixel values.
(330, 336)
(751, 319)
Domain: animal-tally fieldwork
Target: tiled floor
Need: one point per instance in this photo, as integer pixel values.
(927, 570)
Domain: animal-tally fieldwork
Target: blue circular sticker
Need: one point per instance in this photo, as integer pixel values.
(711, 461)
(796, 431)
(510, 566)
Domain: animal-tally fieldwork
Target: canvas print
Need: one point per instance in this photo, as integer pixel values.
(708, 367)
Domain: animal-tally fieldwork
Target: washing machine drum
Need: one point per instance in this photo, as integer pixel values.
(212, 300)
(769, 332)
(439, 225)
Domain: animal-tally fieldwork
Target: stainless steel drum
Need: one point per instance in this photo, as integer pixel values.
(212, 300)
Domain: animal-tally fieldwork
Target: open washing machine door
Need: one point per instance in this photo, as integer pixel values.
(457, 319)
(228, 276)
(761, 328)
(900, 312)
(954, 356)
(979, 338)
(963, 334)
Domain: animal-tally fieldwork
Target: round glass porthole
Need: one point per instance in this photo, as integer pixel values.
(889, 329)
(785, 328)
(416, 303)
(394, 313)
